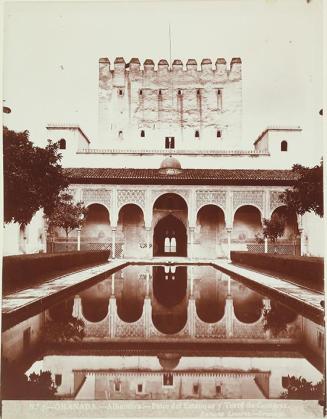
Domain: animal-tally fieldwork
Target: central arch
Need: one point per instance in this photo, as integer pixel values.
(170, 218)
(168, 231)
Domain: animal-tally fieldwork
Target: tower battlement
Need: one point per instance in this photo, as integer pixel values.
(219, 68)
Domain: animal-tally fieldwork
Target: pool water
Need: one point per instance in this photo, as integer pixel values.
(164, 332)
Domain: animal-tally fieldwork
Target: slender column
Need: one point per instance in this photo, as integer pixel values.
(113, 230)
(266, 244)
(191, 241)
(78, 239)
(229, 313)
(191, 281)
(148, 240)
(113, 284)
(77, 307)
(191, 316)
(229, 240)
(112, 316)
(147, 317)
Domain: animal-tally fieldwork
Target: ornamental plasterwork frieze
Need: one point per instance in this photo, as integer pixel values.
(131, 196)
(210, 197)
(275, 202)
(248, 198)
(101, 196)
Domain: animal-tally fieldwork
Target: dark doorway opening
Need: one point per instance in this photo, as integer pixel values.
(170, 237)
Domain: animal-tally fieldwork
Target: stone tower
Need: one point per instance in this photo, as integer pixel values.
(182, 108)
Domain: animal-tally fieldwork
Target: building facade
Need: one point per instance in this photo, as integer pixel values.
(168, 173)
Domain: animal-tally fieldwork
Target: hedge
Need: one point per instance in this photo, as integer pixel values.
(304, 268)
(25, 270)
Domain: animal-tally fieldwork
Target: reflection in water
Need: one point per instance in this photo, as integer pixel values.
(169, 313)
(224, 341)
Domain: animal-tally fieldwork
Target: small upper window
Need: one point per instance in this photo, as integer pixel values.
(283, 146)
(168, 379)
(195, 388)
(218, 133)
(179, 92)
(170, 142)
(141, 92)
(62, 144)
(140, 388)
(58, 379)
(120, 133)
(160, 92)
(219, 92)
(198, 92)
(117, 387)
(197, 134)
(120, 92)
(142, 133)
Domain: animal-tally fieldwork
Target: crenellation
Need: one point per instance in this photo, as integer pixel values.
(235, 69)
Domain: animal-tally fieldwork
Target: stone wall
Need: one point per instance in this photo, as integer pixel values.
(138, 107)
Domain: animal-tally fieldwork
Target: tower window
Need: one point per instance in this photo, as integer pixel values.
(218, 389)
(160, 92)
(195, 388)
(198, 92)
(120, 133)
(58, 379)
(141, 92)
(197, 134)
(283, 146)
(117, 387)
(170, 142)
(219, 99)
(168, 379)
(140, 388)
(142, 133)
(218, 133)
(179, 92)
(62, 144)
(120, 92)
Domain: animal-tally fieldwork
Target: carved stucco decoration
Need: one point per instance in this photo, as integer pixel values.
(210, 197)
(275, 202)
(100, 196)
(131, 196)
(255, 198)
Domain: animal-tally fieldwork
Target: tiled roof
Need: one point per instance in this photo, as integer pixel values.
(187, 176)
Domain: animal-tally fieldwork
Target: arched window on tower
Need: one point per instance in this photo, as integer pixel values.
(179, 92)
(197, 134)
(219, 99)
(141, 92)
(283, 146)
(218, 133)
(62, 144)
(142, 133)
(160, 92)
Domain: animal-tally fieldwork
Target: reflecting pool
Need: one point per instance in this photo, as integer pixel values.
(164, 332)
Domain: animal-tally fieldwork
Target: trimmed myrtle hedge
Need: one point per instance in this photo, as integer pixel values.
(24, 270)
(304, 268)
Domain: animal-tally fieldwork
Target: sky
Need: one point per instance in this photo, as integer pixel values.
(51, 53)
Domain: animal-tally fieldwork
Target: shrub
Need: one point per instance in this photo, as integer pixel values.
(307, 269)
(24, 270)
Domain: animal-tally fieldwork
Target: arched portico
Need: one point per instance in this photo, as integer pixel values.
(131, 231)
(96, 228)
(210, 232)
(247, 223)
(170, 226)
